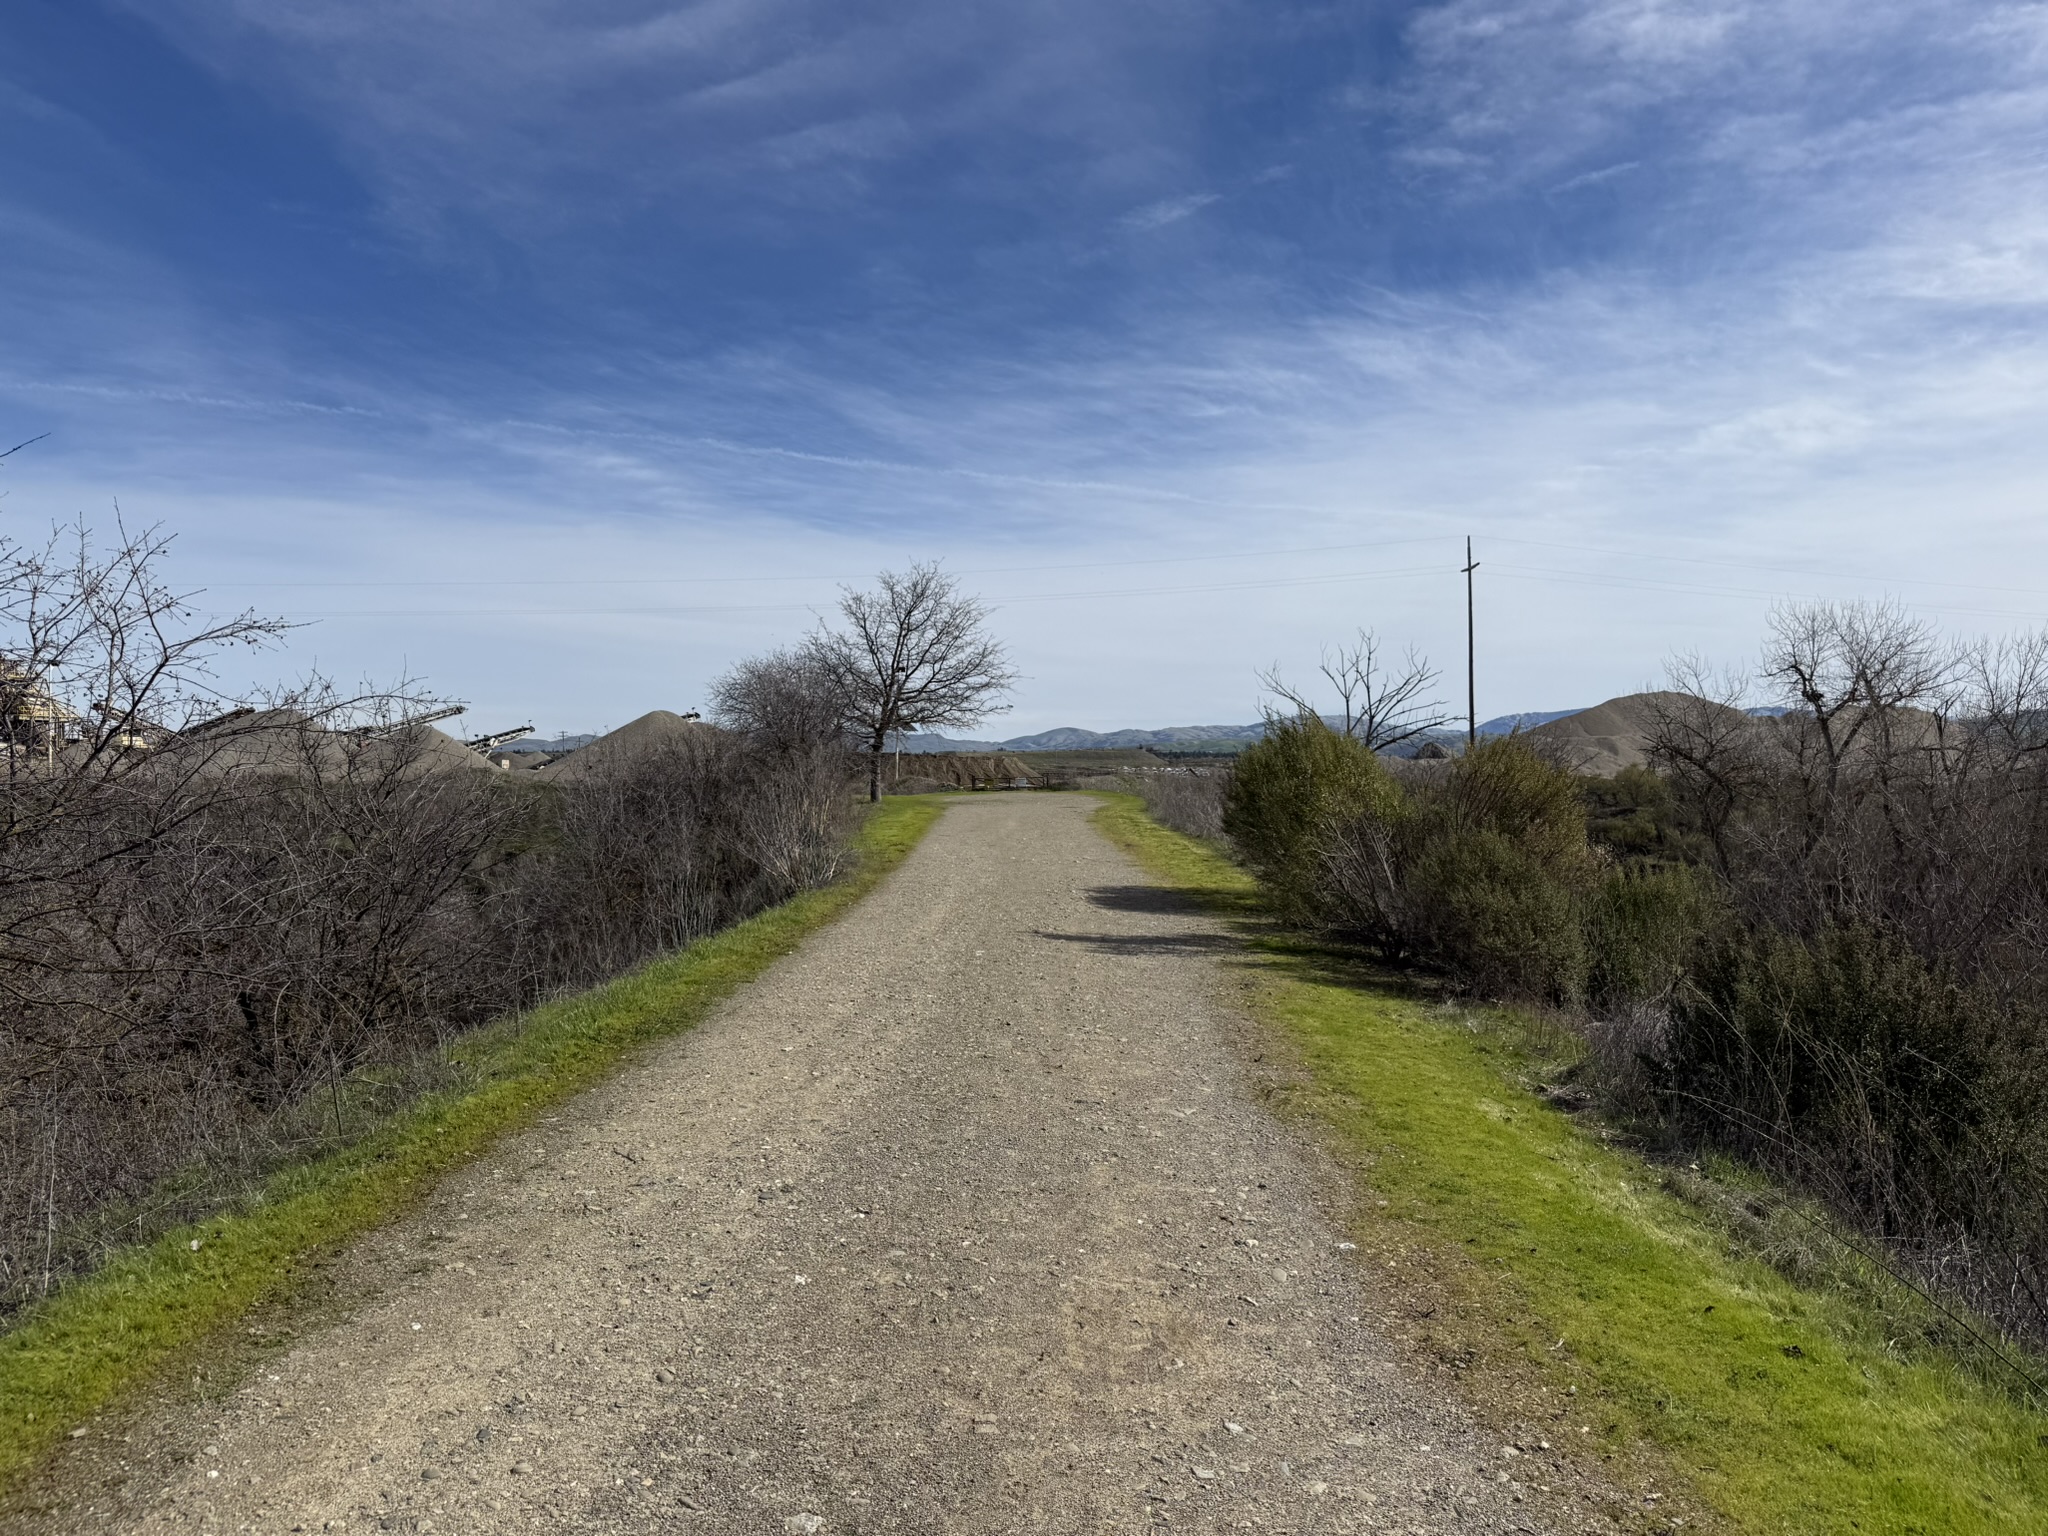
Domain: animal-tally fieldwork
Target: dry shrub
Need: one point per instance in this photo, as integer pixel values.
(219, 934)
(671, 842)
(1189, 800)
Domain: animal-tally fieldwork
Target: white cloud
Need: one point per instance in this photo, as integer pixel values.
(1824, 371)
(1169, 210)
(495, 108)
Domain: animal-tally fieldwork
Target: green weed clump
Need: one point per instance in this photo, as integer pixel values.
(1791, 1409)
(78, 1352)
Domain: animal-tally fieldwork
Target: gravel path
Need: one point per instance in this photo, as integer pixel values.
(963, 1219)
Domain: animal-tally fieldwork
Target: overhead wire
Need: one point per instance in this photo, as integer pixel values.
(1514, 570)
(1094, 593)
(991, 570)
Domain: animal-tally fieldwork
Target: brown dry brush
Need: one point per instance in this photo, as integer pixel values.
(671, 842)
(222, 931)
(1189, 800)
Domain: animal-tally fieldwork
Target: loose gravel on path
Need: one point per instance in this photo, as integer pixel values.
(966, 1218)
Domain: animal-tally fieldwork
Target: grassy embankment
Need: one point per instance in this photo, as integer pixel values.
(78, 1352)
(1616, 1304)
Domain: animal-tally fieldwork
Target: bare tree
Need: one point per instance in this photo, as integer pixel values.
(913, 654)
(786, 701)
(1869, 689)
(1380, 704)
(2010, 681)
(1710, 747)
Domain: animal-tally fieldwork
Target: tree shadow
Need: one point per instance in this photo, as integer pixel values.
(1252, 931)
(1158, 900)
(1146, 943)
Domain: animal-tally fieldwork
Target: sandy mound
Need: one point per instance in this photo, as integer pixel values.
(1612, 736)
(286, 741)
(651, 729)
(443, 751)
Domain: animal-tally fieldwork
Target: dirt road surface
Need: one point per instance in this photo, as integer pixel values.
(966, 1218)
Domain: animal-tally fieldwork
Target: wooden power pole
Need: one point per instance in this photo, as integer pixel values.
(1471, 663)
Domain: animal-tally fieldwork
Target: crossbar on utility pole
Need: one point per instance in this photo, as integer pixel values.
(1471, 662)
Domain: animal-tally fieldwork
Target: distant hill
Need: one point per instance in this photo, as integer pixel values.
(1069, 738)
(1616, 735)
(1501, 725)
(557, 745)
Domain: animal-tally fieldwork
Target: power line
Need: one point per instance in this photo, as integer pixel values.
(994, 602)
(1640, 584)
(1751, 565)
(656, 581)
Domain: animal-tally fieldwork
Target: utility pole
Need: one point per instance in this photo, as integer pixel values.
(1471, 663)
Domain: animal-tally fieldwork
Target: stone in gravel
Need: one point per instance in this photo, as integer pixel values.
(804, 1525)
(521, 1468)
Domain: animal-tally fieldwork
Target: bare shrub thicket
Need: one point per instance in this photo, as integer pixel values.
(673, 841)
(1189, 800)
(217, 922)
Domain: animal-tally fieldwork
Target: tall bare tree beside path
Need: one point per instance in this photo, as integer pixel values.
(912, 654)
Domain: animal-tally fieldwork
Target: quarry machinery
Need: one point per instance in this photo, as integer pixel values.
(487, 744)
(446, 712)
(33, 721)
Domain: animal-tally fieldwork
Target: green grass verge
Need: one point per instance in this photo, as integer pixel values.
(77, 1353)
(1781, 1404)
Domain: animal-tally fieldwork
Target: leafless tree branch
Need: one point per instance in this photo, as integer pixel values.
(913, 654)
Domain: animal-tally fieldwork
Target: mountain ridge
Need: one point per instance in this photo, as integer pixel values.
(1073, 738)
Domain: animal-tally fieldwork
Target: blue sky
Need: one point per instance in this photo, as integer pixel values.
(562, 353)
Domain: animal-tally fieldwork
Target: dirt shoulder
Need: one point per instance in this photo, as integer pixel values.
(966, 1217)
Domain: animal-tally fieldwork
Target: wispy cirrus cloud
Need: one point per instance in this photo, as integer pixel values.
(1168, 210)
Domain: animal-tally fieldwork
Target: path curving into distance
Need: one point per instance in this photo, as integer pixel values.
(965, 1218)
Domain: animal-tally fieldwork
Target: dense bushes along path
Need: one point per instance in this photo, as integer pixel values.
(964, 1217)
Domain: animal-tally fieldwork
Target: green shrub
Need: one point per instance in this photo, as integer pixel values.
(1289, 792)
(1845, 1059)
(1504, 785)
(1645, 926)
(1638, 817)
(1499, 873)
(1493, 911)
